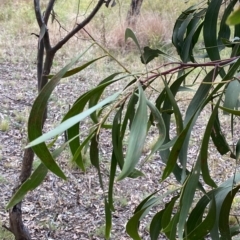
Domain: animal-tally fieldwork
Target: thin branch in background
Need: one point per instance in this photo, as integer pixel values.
(48, 11)
(67, 31)
(88, 8)
(78, 9)
(79, 26)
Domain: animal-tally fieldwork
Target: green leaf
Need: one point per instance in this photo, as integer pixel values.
(168, 213)
(149, 54)
(180, 28)
(133, 223)
(205, 226)
(224, 31)
(210, 29)
(163, 99)
(234, 18)
(187, 195)
(138, 131)
(130, 34)
(187, 46)
(172, 159)
(129, 115)
(176, 110)
(31, 183)
(72, 121)
(232, 95)
(113, 170)
(158, 121)
(155, 226)
(224, 227)
(196, 104)
(204, 146)
(96, 96)
(234, 112)
(108, 217)
(77, 69)
(218, 138)
(173, 226)
(117, 139)
(77, 158)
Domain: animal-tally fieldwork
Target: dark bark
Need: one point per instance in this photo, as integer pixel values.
(43, 69)
(134, 12)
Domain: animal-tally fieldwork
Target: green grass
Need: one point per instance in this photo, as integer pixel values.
(4, 234)
(4, 125)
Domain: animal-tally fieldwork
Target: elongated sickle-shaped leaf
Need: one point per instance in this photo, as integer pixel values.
(167, 117)
(117, 154)
(172, 159)
(166, 219)
(130, 113)
(108, 216)
(196, 103)
(176, 110)
(96, 96)
(224, 31)
(31, 183)
(187, 46)
(77, 69)
(234, 112)
(204, 147)
(205, 226)
(224, 227)
(186, 197)
(116, 138)
(180, 28)
(210, 30)
(77, 158)
(35, 121)
(130, 34)
(219, 194)
(161, 127)
(94, 157)
(137, 136)
(72, 121)
(218, 138)
(155, 226)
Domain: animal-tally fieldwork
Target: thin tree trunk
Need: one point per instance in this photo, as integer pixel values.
(15, 214)
(134, 12)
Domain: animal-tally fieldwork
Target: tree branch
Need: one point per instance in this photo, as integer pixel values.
(48, 11)
(38, 13)
(79, 26)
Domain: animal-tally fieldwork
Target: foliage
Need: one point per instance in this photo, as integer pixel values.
(132, 113)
